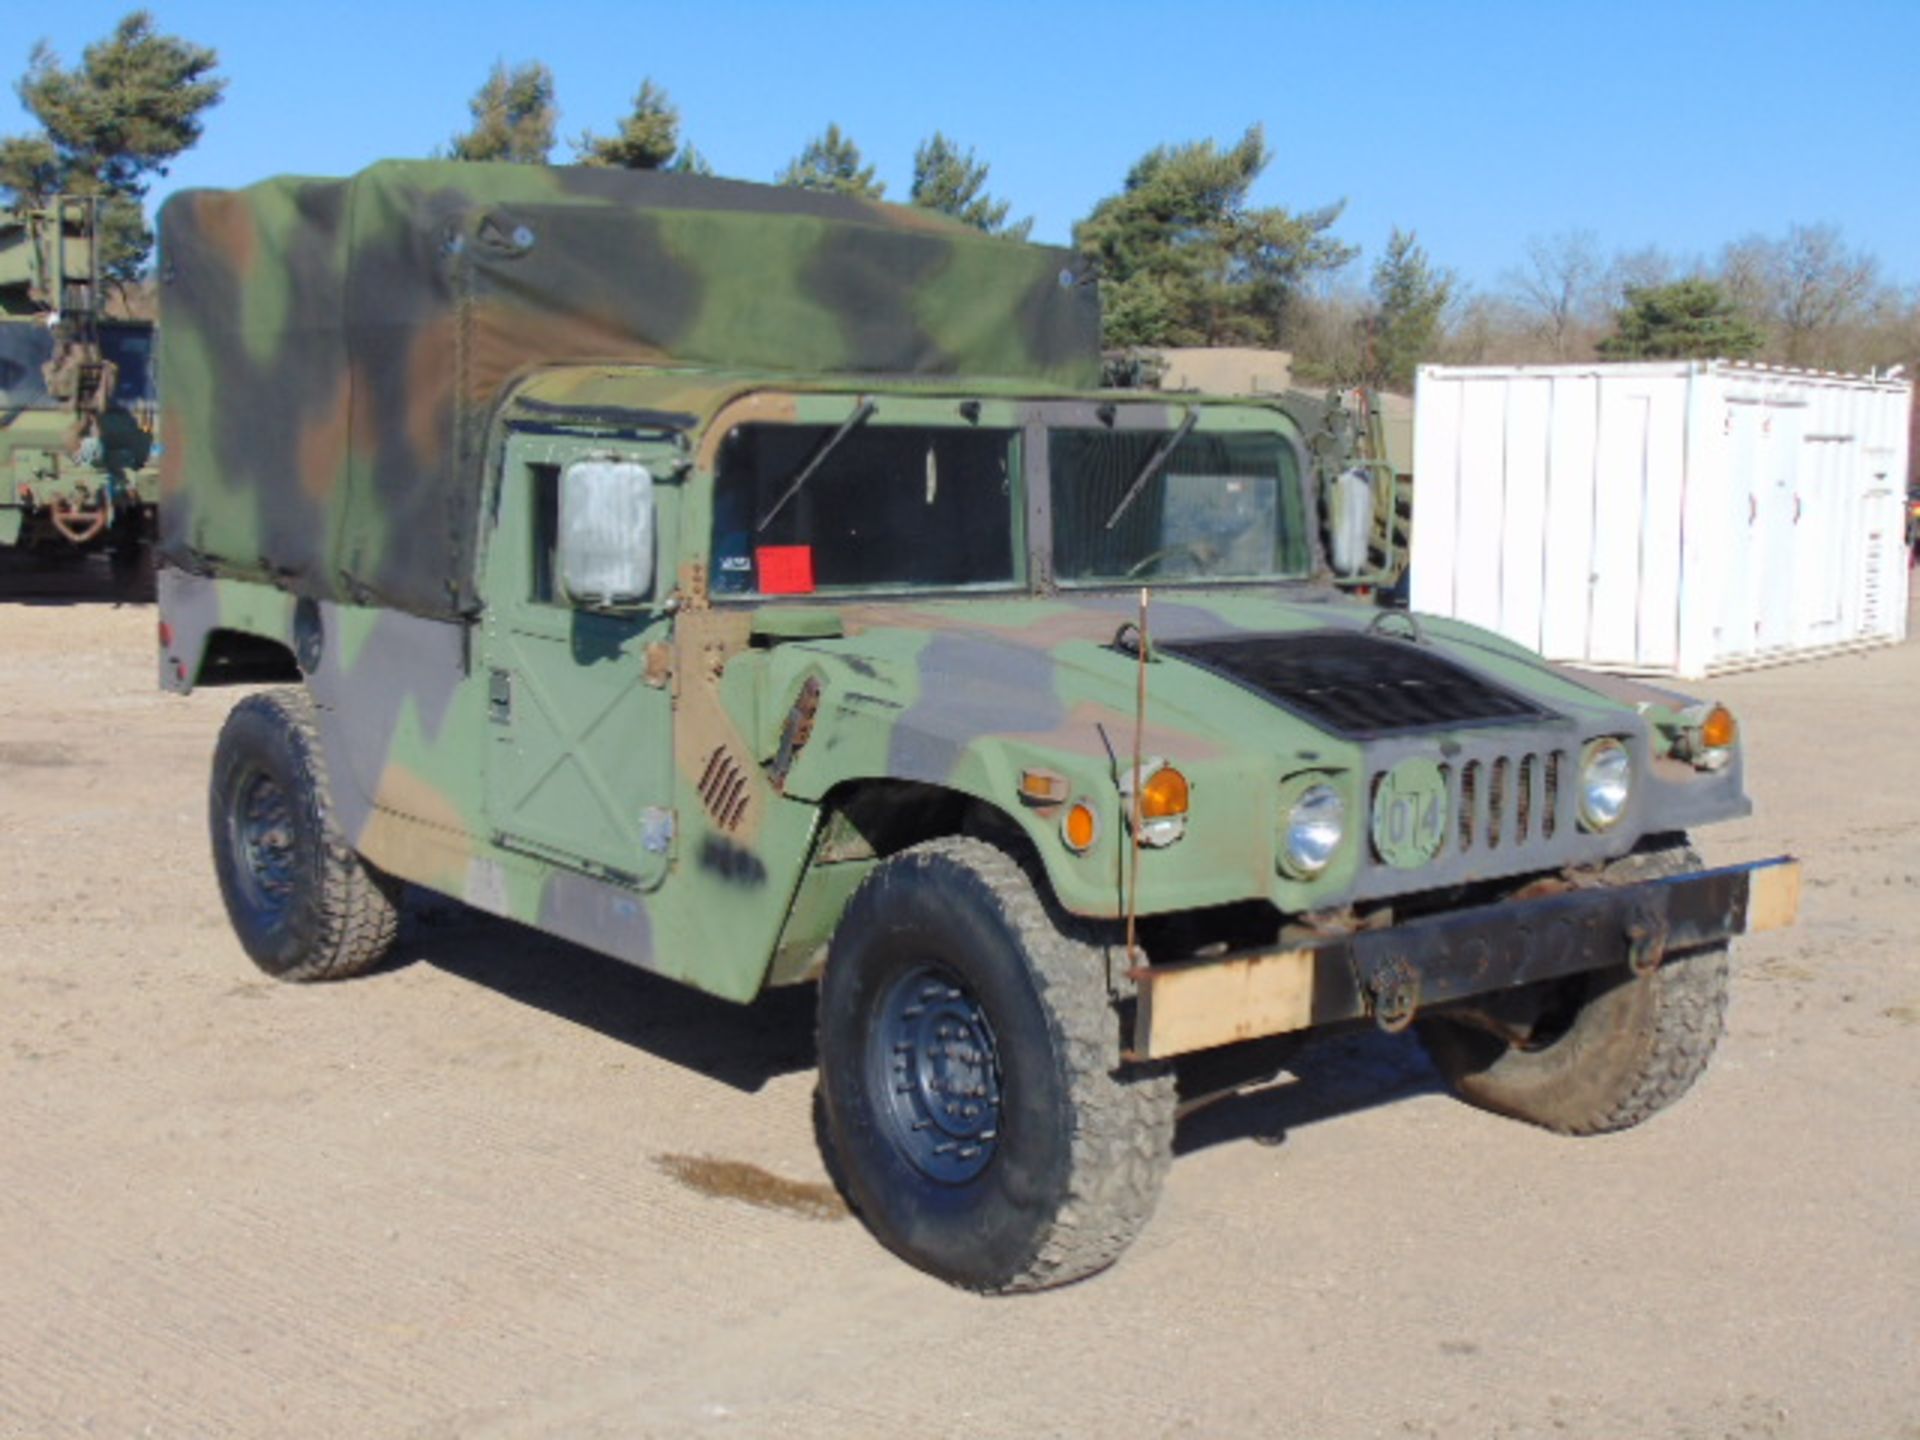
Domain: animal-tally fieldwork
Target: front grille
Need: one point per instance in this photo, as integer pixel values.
(1507, 801)
(1357, 685)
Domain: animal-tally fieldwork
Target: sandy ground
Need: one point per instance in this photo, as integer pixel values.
(504, 1188)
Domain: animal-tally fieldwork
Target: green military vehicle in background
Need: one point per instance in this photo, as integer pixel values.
(747, 583)
(76, 394)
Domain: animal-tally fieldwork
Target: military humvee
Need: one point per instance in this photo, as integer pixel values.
(76, 394)
(742, 582)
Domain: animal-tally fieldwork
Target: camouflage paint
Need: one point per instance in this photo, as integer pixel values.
(959, 693)
(334, 349)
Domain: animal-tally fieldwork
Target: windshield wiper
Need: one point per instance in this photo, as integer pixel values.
(862, 413)
(1154, 464)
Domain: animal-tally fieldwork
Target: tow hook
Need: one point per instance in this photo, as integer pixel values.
(1646, 941)
(78, 526)
(1394, 987)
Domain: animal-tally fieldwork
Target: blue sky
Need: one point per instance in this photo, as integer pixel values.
(1478, 125)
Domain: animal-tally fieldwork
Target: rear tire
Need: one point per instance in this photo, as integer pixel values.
(1615, 1048)
(975, 1106)
(304, 904)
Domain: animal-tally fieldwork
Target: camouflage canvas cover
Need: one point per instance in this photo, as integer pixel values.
(332, 350)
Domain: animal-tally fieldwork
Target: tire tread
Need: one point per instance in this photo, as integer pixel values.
(1686, 1007)
(352, 915)
(1121, 1145)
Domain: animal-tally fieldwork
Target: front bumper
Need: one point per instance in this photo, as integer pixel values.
(1392, 974)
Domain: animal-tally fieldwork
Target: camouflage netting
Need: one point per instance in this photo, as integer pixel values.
(332, 350)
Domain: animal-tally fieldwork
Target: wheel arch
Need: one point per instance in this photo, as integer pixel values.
(864, 821)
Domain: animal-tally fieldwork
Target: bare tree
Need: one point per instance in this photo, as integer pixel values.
(1820, 286)
(1484, 330)
(1558, 288)
(1746, 274)
(1327, 333)
(1644, 269)
(1809, 288)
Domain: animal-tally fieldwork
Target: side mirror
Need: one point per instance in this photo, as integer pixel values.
(1367, 508)
(606, 532)
(1350, 510)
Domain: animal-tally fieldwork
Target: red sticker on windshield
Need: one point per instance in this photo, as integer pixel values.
(785, 569)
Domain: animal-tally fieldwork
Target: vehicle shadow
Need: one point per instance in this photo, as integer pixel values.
(27, 579)
(746, 1046)
(743, 1046)
(1340, 1074)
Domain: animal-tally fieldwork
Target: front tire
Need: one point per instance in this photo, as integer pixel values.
(304, 905)
(976, 1107)
(1606, 1050)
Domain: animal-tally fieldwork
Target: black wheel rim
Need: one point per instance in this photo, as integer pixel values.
(260, 823)
(933, 1063)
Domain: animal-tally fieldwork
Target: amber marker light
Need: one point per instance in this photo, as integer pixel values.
(1718, 731)
(1707, 736)
(1042, 787)
(1164, 795)
(1162, 800)
(1080, 827)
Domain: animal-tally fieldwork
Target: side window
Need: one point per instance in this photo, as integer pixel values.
(543, 495)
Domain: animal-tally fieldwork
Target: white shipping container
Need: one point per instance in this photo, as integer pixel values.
(1671, 518)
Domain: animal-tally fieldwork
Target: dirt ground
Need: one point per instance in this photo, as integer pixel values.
(504, 1188)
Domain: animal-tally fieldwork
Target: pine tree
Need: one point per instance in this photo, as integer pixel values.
(1687, 320)
(134, 103)
(1185, 260)
(832, 162)
(648, 139)
(689, 161)
(1409, 296)
(513, 117)
(950, 180)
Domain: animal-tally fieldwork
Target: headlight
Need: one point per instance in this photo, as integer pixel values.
(1606, 779)
(1315, 823)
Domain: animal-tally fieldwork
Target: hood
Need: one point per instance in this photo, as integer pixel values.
(1360, 686)
(1056, 669)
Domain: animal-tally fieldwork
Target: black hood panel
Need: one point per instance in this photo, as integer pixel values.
(1360, 686)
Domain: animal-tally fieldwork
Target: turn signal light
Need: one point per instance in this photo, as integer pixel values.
(1718, 730)
(1164, 795)
(1042, 787)
(1080, 827)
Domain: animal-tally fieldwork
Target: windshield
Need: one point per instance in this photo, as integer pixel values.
(885, 507)
(1224, 507)
(25, 345)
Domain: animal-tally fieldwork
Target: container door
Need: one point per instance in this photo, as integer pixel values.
(1822, 499)
(1619, 517)
(1781, 426)
(1737, 625)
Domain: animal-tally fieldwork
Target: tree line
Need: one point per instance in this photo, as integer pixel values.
(1184, 256)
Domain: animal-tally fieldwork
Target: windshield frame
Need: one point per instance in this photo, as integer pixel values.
(1032, 419)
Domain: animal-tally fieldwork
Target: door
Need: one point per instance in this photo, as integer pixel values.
(580, 738)
(1739, 531)
(1781, 508)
